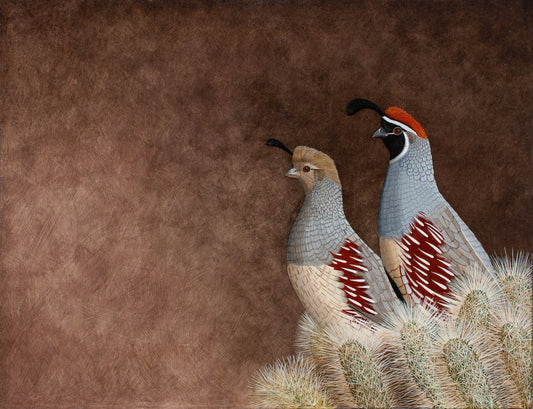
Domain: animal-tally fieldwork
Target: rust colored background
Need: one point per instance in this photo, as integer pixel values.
(144, 222)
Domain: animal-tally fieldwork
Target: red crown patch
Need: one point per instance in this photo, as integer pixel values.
(400, 115)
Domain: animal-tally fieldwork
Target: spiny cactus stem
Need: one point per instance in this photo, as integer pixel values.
(475, 311)
(295, 389)
(466, 370)
(362, 376)
(516, 291)
(518, 358)
(417, 344)
(290, 384)
(514, 275)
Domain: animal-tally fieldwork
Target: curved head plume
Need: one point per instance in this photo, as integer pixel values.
(278, 144)
(398, 129)
(394, 113)
(358, 104)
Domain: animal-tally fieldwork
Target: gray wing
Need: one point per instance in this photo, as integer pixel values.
(461, 248)
(380, 288)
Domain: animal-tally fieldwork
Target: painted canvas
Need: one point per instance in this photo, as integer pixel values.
(144, 223)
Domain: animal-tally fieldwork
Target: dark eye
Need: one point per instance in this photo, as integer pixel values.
(397, 130)
(306, 169)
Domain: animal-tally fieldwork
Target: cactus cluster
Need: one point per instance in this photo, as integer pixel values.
(478, 355)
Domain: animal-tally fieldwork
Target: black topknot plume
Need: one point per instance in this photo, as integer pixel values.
(358, 104)
(278, 144)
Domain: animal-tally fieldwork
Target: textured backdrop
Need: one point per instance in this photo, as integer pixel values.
(144, 222)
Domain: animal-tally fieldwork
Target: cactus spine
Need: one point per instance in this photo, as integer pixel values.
(479, 355)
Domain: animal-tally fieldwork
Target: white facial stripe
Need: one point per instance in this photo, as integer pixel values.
(392, 121)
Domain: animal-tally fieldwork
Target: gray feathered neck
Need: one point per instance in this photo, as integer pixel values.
(408, 189)
(320, 227)
(417, 162)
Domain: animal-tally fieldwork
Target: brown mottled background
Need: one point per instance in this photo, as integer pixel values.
(144, 222)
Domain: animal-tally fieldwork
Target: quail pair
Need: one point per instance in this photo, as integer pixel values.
(424, 244)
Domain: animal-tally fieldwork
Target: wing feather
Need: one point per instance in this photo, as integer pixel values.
(424, 272)
(459, 251)
(349, 263)
(429, 256)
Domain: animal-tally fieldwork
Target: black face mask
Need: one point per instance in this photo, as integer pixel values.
(394, 141)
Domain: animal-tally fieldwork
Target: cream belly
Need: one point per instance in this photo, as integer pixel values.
(321, 293)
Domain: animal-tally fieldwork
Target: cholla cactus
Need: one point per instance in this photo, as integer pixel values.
(468, 342)
(478, 373)
(412, 335)
(352, 364)
(314, 343)
(514, 278)
(290, 383)
(478, 296)
(478, 356)
(512, 330)
(513, 325)
(465, 368)
(310, 340)
(359, 360)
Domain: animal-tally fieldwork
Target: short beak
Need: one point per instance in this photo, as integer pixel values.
(380, 133)
(292, 173)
